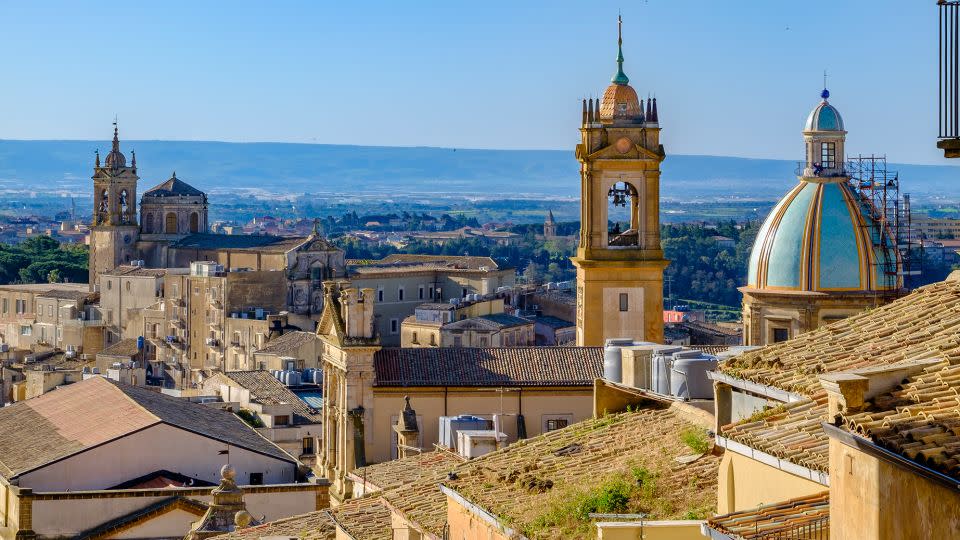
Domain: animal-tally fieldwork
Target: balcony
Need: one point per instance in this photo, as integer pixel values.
(949, 78)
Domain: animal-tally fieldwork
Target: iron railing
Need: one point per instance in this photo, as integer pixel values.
(949, 77)
(816, 529)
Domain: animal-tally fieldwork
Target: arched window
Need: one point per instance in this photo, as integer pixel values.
(123, 205)
(194, 222)
(148, 223)
(623, 215)
(171, 225)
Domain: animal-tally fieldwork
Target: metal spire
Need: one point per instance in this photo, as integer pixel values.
(826, 93)
(620, 77)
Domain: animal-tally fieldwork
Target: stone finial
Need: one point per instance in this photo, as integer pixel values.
(408, 417)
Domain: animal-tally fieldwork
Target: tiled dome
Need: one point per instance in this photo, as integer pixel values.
(819, 238)
(824, 117)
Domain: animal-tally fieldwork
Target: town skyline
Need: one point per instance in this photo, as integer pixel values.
(313, 75)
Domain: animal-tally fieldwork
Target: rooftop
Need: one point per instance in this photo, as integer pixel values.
(781, 520)
(124, 347)
(80, 416)
(287, 343)
(495, 321)
(540, 486)
(136, 270)
(266, 389)
(174, 187)
(310, 526)
(494, 366)
(401, 262)
(401, 472)
(553, 322)
(239, 242)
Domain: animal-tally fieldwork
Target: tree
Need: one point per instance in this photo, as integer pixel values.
(54, 276)
(533, 273)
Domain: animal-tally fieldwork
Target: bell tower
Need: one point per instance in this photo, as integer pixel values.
(114, 231)
(619, 260)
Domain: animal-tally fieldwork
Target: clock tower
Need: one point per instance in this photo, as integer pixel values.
(114, 231)
(619, 260)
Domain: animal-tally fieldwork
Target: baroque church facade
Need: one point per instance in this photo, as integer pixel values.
(173, 230)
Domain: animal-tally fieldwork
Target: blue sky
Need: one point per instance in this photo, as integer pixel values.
(732, 77)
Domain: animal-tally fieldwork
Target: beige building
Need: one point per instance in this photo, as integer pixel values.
(841, 429)
(495, 330)
(529, 389)
(279, 414)
(619, 270)
(296, 350)
(422, 329)
(70, 469)
(44, 316)
(928, 228)
(820, 255)
(402, 282)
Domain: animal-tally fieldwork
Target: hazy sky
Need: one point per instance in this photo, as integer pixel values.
(732, 77)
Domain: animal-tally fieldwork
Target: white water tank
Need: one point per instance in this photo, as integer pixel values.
(688, 375)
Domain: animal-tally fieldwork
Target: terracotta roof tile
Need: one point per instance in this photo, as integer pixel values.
(803, 517)
(266, 389)
(366, 518)
(311, 526)
(792, 432)
(495, 366)
(390, 474)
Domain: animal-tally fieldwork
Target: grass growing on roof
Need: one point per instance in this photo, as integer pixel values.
(696, 439)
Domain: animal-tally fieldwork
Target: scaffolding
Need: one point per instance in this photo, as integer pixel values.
(889, 223)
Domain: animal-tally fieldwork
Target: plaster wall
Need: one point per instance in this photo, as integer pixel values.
(872, 498)
(744, 483)
(157, 447)
(651, 530)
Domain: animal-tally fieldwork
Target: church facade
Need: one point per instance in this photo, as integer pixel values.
(173, 230)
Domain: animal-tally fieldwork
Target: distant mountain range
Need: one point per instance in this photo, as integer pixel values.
(217, 167)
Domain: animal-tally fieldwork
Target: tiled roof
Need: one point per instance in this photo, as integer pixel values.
(174, 187)
(116, 526)
(459, 261)
(78, 416)
(491, 322)
(366, 518)
(803, 517)
(66, 294)
(287, 343)
(401, 472)
(792, 432)
(136, 270)
(253, 242)
(124, 347)
(266, 389)
(710, 349)
(923, 324)
(311, 526)
(919, 420)
(494, 366)
(523, 482)
(400, 263)
(553, 322)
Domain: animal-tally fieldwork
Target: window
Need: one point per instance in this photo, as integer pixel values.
(457, 341)
(483, 342)
(414, 338)
(556, 423)
(464, 292)
(109, 285)
(431, 292)
(256, 479)
(127, 286)
(624, 302)
(379, 295)
(307, 445)
(420, 293)
(194, 222)
(171, 224)
(50, 310)
(26, 330)
(828, 155)
(109, 316)
(281, 420)
(433, 340)
(393, 326)
(400, 294)
(780, 334)
(5, 306)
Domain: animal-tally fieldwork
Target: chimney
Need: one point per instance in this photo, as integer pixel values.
(849, 391)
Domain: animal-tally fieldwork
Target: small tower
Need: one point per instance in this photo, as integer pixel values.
(226, 513)
(549, 226)
(114, 230)
(408, 432)
(619, 266)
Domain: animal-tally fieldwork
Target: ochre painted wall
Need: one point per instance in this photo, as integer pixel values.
(745, 483)
(870, 498)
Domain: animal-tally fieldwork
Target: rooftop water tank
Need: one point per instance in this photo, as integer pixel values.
(612, 363)
(450, 425)
(688, 375)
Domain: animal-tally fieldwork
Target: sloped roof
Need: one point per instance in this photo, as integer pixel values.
(366, 518)
(266, 389)
(97, 410)
(522, 482)
(253, 242)
(787, 519)
(124, 347)
(310, 526)
(174, 187)
(918, 419)
(404, 471)
(494, 321)
(287, 343)
(115, 526)
(493, 366)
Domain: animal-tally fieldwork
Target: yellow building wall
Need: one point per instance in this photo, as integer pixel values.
(870, 498)
(432, 403)
(465, 525)
(744, 483)
(651, 530)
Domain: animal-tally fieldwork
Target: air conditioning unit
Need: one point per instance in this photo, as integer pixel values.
(211, 341)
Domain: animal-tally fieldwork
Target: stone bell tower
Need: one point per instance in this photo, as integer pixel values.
(114, 230)
(619, 261)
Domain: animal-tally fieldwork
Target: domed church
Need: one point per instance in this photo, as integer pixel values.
(821, 255)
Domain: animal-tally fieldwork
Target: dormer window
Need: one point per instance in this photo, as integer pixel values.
(828, 155)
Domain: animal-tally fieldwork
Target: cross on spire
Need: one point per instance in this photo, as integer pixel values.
(620, 77)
